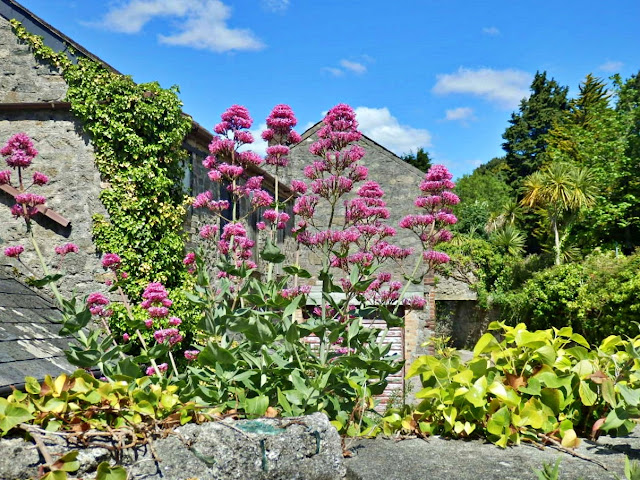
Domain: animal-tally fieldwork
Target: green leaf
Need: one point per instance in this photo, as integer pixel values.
(486, 343)
(271, 253)
(213, 354)
(257, 406)
(67, 462)
(105, 472)
(12, 415)
(300, 272)
(587, 395)
(547, 354)
(608, 392)
(292, 307)
(46, 280)
(476, 395)
(631, 396)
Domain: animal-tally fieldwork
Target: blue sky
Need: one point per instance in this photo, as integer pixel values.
(441, 74)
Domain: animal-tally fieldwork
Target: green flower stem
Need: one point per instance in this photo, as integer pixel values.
(45, 270)
(127, 307)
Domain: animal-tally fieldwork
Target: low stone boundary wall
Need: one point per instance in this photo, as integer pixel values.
(306, 448)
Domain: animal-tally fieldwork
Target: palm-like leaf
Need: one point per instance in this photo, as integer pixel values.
(510, 240)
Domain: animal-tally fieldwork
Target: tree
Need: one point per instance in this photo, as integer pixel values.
(559, 191)
(593, 134)
(525, 141)
(420, 159)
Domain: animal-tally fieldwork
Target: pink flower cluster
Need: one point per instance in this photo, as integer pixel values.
(191, 354)
(234, 242)
(97, 302)
(156, 301)
(27, 205)
(111, 261)
(14, 251)
(295, 291)
(20, 151)
(279, 219)
(163, 367)
(430, 227)
(280, 135)
(63, 250)
(168, 335)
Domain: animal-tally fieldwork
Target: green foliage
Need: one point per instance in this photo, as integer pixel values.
(549, 472)
(523, 382)
(597, 298)
(255, 355)
(420, 159)
(525, 141)
(631, 470)
(137, 132)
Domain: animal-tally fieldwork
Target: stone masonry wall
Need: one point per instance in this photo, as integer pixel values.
(66, 157)
(22, 77)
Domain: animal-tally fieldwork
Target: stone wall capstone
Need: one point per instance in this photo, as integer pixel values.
(301, 448)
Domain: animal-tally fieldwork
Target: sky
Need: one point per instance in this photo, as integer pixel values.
(444, 75)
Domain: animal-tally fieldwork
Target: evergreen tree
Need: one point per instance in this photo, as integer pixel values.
(420, 159)
(525, 141)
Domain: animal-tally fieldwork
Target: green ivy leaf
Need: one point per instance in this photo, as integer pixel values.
(105, 472)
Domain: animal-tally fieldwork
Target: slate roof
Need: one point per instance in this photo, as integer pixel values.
(29, 340)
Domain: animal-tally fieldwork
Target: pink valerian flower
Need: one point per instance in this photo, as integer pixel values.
(450, 198)
(63, 250)
(295, 291)
(148, 323)
(261, 226)
(436, 258)
(14, 251)
(414, 302)
(261, 198)
(438, 173)
(254, 183)
(175, 321)
(26, 205)
(5, 177)
(126, 337)
(298, 186)
(208, 231)
(156, 301)
(305, 206)
(111, 261)
(189, 259)
(20, 151)
(344, 350)
(40, 178)
(280, 135)
(96, 302)
(277, 155)
(162, 367)
(191, 355)
(168, 335)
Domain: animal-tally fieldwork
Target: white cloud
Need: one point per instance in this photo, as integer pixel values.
(379, 125)
(611, 66)
(276, 5)
(336, 72)
(200, 24)
(492, 31)
(460, 114)
(259, 145)
(503, 87)
(354, 67)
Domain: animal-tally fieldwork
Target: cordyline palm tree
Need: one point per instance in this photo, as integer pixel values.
(560, 191)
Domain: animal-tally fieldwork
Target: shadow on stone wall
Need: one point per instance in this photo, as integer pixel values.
(463, 321)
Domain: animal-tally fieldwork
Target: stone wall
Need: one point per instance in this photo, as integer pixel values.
(299, 448)
(66, 157)
(22, 77)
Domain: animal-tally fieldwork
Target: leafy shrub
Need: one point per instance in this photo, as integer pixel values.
(597, 297)
(546, 381)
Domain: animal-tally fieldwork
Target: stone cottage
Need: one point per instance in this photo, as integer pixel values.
(32, 100)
